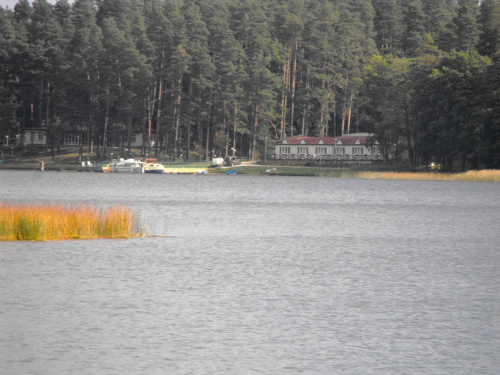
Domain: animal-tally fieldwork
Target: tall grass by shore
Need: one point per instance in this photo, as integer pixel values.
(483, 176)
(490, 175)
(56, 222)
(487, 175)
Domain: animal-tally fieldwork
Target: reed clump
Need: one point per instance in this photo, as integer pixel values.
(41, 222)
(490, 175)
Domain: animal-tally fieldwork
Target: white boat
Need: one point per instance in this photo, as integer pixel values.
(152, 166)
(128, 166)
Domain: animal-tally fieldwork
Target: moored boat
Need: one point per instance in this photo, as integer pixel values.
(152, 166)
(127, 166)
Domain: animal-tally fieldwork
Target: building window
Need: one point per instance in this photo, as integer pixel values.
(374, 151)
(303, 150)
(71, 139)
(284, 150)
(339, 151)
(40, 136)
(132, 138)
(357, 150)
(320, 150)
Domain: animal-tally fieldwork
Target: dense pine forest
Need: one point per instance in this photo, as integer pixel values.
(198, 77)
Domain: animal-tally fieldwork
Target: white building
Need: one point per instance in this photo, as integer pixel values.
(39, 136)
(350, 147)
(72, 138)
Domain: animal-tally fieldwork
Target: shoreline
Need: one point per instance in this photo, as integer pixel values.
(298, 171)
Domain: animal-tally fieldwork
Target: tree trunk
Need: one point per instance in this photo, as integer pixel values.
(129, 136)
(344, 106)
(294, 78)
(349, 115)
(235, 128)
(49, 124)
(177, 116)
(255, 125)
(283, 101)
(199, 128)
(307, 105)
(158, 117)
(106, 121)
(80, 142)
(151, 103)
(334, 112)
(207, 148)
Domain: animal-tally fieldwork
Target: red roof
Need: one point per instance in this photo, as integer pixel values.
(346, 140)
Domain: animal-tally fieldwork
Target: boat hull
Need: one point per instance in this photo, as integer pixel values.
(154, 168)
(156, 171)
(126, 169)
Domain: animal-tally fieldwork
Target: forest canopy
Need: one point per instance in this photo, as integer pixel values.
(203, 77)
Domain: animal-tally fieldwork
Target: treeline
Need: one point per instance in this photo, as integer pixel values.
(203, 76)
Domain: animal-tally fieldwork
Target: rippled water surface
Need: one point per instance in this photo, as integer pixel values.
(259, 274)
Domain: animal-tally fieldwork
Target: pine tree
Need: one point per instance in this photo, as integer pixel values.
(253, 32)
(439, 22)
(489, 24)
(388, 26)
(414, 28)
(321, 65)
(223, 99)
(288, 27)
(467, 26)
(46, 40)
(123, 66)
(160, 32)
(8, 90)
(489, 146)
(82, 76)
(201, 71)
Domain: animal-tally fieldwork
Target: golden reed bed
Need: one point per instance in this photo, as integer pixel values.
(490, 175)
(33, 222)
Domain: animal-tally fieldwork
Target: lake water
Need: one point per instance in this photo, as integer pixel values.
(259, 275)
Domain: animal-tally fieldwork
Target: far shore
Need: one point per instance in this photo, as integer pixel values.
(72, 163)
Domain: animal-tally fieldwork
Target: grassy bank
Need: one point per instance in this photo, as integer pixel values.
(56, 222)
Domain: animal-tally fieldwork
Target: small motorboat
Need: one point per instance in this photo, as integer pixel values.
(152, 166)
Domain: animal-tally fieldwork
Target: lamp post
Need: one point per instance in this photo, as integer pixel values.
(7, 139)
(265, 154)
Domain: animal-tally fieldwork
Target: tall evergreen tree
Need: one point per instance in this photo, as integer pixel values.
(467, 26)
(439, 22)
(253, 32)
(160, 32)
(82, 77)
(8, 90)
(489, 147)
(414, 28)
(388, 26)
(201, 71)
(489, 24)
(123, 65)
(46, 40)
(224, 95)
